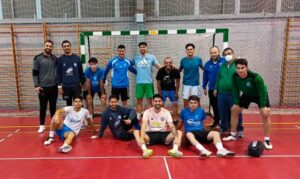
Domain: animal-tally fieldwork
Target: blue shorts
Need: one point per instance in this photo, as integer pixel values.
(61, 132)
(169, 94)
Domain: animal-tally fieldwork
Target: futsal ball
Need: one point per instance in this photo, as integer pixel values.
(255, 148)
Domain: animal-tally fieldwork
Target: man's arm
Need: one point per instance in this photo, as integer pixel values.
(107, 69)
(103, 125)
(81, 74)
(158, 86)
(204, 81)
(177, 86)
(262, 91)
(131, 68)
(91, 123)
(88, 86)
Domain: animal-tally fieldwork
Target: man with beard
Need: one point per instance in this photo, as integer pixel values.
(119, 119)
(69, 73)
(158, 128)
(45, 81)
(168, 83)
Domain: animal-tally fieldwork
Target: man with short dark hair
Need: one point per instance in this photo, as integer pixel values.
(144, 82)
(120, 65)
(45, 81)
(94, 84)
(168, 83)
(192, 118)
(191, 77)
(253, 89)
(69, 73)
(158, 128)
(68, 128)
(119, 119)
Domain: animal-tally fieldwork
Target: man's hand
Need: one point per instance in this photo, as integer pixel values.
(235, 107)
(127, 121)
(215, 93)
(204, 92)
(60, 91)
(38, 89)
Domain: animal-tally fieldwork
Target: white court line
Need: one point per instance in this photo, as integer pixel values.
(16, 131)
(137, 157)
(167, 168)
(2, 140)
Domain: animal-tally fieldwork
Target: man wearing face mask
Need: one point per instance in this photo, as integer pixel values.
(224, 92)
(210, 73)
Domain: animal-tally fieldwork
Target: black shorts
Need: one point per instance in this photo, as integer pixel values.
(201, 136)
(123, 92)
(246, 100)
(70, 92)
(157, 137)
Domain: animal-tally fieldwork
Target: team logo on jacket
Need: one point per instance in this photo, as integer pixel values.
(75, 64)
(162, 118)
(248, 84)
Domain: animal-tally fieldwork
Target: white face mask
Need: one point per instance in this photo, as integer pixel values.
(228, 58)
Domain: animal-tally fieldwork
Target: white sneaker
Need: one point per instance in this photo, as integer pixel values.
(41, 129)
(229, 138)
(205, 153)
(64, 149)
(49, 141)
(225, 153)
(175, 153)
(268, 145)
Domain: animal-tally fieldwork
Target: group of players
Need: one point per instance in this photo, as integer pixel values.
(231, 88)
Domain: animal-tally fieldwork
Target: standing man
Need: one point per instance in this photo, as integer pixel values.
(224, 92)
(68, 128)
(210, 73)
(191, 76)
(119, 119)
(144, 82)
(45, 81)
(119, 81)
(253, 89)
(168, 83)
(94, 84)
(192, 118)
(69, 73)
(158, 128)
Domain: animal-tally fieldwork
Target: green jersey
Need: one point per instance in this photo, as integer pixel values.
(252, 85)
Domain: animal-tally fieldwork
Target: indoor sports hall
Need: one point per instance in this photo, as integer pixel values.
(266, 33)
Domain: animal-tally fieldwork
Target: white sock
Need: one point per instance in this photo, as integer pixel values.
(199, 147)
(42, 126)
(233, 134)
(144, 147)
(175, 147)
(65, 145)
(219, 146)
(267, 138)
(51, 134)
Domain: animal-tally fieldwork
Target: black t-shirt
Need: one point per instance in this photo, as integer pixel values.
(167, 78)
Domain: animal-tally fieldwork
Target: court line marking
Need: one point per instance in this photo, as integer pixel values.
(2, 140)
(167, 168)
(138, 157)
(11, 134)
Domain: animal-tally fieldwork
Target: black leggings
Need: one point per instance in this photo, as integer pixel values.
(47, 94)
(214, 104)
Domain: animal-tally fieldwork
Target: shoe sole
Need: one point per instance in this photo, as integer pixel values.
(229, 155)
(66, 151)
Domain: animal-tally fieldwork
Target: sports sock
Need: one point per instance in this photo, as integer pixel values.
(51, 134)
(199, 147)
(219, 146)
(267, 138)
(175, 147)
(144, 147)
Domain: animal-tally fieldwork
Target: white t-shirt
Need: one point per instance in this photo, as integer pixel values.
(74, 120)
(156, 122)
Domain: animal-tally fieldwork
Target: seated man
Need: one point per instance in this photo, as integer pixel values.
(253, 89)
(119, 119)
(67, 129)
(192, 119)
(155, 131)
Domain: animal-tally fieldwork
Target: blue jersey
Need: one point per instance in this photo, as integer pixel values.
(210, 73)
(95, 78)
(190, 68)
(193, 121)
(144, 66)
(119, 73)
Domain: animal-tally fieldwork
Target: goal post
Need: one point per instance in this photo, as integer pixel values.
(83, 35)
